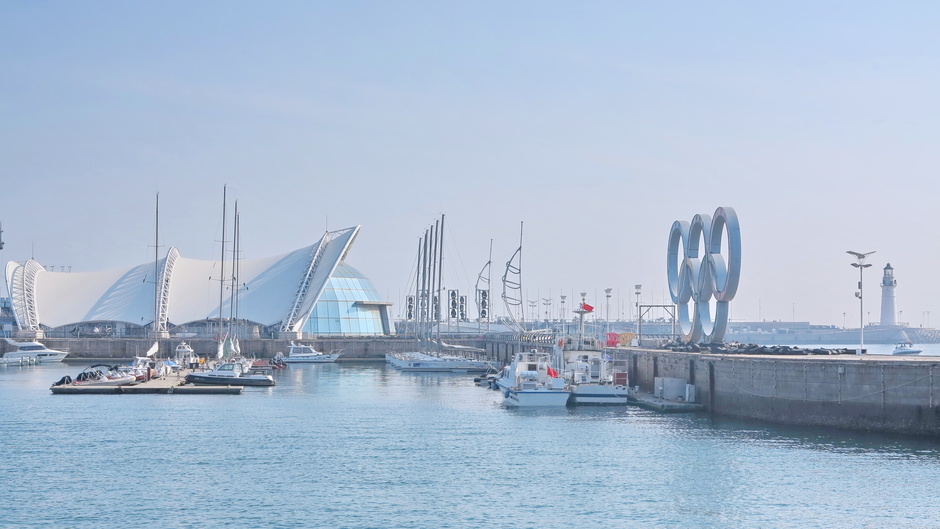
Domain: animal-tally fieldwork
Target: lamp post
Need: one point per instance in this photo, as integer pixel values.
(638, 287)
(861, 265)
(608, 291)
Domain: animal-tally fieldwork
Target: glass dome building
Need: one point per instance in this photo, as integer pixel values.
(349, 306)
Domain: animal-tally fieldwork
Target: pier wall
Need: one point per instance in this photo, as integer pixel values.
(366, 348)
(887, 394)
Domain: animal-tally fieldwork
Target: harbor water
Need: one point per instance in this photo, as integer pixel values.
(362, 445)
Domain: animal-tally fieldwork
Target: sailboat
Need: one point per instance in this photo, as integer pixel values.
(483, 294)
(234, 370)
(228, 347)
(430, 354)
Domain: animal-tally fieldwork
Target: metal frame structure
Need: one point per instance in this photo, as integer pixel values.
(23, 291)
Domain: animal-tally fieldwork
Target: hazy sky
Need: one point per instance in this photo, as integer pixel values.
(596, 123)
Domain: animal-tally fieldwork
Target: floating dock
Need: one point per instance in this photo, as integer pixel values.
(649, 402)
(170, 385)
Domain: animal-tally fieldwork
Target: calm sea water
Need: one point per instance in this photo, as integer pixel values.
(364, 446)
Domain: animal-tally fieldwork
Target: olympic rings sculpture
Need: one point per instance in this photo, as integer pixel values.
(702, 274)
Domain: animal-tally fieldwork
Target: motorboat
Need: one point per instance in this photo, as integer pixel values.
(276, 362)
(186, 357)
(229, 374)
(906, 348)
(99, 375)
(421, 362)
(306, 354)
(36, 351)
(531, 381)
(588, 369)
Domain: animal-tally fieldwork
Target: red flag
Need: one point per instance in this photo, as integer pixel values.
(586, 307)
(552, 373)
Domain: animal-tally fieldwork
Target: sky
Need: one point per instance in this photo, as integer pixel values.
(592, 125)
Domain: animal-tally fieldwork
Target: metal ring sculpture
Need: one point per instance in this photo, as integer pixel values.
(703, 274)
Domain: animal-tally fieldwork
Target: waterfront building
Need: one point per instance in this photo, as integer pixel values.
(272, 296)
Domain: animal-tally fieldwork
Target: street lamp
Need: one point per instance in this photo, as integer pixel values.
(607, 291)
(861, 303)
(638, 287)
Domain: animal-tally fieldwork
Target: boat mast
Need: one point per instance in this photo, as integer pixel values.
(233, 299)
(425, 295)
(489, 281)
(417, 309)
(435, 300)
(440, 278)
(520, 276)
(156, 276)
(222, 265)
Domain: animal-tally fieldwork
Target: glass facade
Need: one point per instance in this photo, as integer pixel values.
(338, 313)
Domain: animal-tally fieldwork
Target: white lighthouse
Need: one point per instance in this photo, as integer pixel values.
(887, 297)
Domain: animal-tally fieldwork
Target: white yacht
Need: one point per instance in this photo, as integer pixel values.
(421, 362)
(531, 381)
(306, 354)
(32, 350)
(906, 348)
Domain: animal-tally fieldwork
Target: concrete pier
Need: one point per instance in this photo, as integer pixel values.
(861, 392)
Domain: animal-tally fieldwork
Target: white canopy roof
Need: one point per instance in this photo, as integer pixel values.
(278, 289)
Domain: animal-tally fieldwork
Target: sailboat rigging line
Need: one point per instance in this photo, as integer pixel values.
(231, 305)
(486, 282)
(457, 263)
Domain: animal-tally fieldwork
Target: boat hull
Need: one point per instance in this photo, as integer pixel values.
(251, 380)
(599, 394)
(540, 398)
(116, 381)
(443, 367)
(42, 358)
(322, 359)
